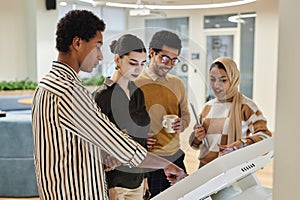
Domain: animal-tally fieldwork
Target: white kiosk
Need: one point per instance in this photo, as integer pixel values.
(236, 168)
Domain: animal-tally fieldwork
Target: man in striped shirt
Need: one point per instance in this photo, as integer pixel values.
(69, 130)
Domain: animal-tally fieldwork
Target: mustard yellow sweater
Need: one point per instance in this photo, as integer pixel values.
(164, 95)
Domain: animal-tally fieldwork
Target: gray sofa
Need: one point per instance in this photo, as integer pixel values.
(10, 103)
(17, 174)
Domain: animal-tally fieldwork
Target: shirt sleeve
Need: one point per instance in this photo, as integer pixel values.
(80, 114)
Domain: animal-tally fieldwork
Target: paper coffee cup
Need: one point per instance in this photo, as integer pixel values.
(167, 122)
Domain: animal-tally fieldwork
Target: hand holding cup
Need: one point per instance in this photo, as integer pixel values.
(171, 123)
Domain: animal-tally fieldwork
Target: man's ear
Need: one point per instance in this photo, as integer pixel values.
(151, 53)
(76, 43)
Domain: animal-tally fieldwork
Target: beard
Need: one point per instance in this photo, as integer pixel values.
(161, 70)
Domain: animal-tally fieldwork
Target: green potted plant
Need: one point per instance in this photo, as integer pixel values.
(17, 87)
(94, 81)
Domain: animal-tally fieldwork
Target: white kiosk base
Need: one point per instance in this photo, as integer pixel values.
(236, 169)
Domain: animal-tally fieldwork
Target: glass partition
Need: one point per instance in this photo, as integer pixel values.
(232, 35)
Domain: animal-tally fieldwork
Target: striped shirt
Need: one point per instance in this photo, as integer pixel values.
(69, 134)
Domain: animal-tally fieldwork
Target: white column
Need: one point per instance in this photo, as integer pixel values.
(287, 143)
(265, 59)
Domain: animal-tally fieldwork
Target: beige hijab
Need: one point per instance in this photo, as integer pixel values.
(235, 118)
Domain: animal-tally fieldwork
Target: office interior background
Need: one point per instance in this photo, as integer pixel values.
(265, 48)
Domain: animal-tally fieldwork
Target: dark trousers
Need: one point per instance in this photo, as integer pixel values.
(158, 181)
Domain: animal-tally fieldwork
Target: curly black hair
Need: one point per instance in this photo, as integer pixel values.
(81, 23)
(167, 38)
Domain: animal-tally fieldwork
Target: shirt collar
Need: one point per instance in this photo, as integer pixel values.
(108, 82)
(153, 76)
(66, 70)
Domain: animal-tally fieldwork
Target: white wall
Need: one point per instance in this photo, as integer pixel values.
(46, 52)
(27, 39)
(13, 40)
(287, 154)
(31, 40)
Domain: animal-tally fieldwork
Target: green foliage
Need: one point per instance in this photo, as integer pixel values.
(94, 80)
(31, 85)
(18, 85)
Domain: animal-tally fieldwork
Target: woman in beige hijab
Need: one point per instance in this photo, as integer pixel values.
(231, 120)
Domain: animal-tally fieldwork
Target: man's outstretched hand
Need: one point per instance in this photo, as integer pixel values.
(174, 173)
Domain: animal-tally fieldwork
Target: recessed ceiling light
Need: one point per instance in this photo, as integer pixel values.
(63, 3)
(139, 12)
(123, 5)
(88, 1)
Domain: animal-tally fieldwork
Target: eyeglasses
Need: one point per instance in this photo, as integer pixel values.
(166, 59)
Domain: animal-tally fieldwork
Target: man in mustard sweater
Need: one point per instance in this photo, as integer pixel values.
(164, 94)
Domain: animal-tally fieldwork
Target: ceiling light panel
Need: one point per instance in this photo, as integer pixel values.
(173, 6)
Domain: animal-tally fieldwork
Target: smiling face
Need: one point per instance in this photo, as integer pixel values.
(161, 62)
(131, 65)
(91, 53)
(219, 82)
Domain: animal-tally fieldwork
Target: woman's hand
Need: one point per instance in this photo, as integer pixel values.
(151, 140)
(113, 195)
(199, 134)
(111, 163)
(146, 187)
(225, 149)
(146, 191)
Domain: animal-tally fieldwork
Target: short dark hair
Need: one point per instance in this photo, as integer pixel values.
(167, 38)
(127, 43)
(81, 23)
